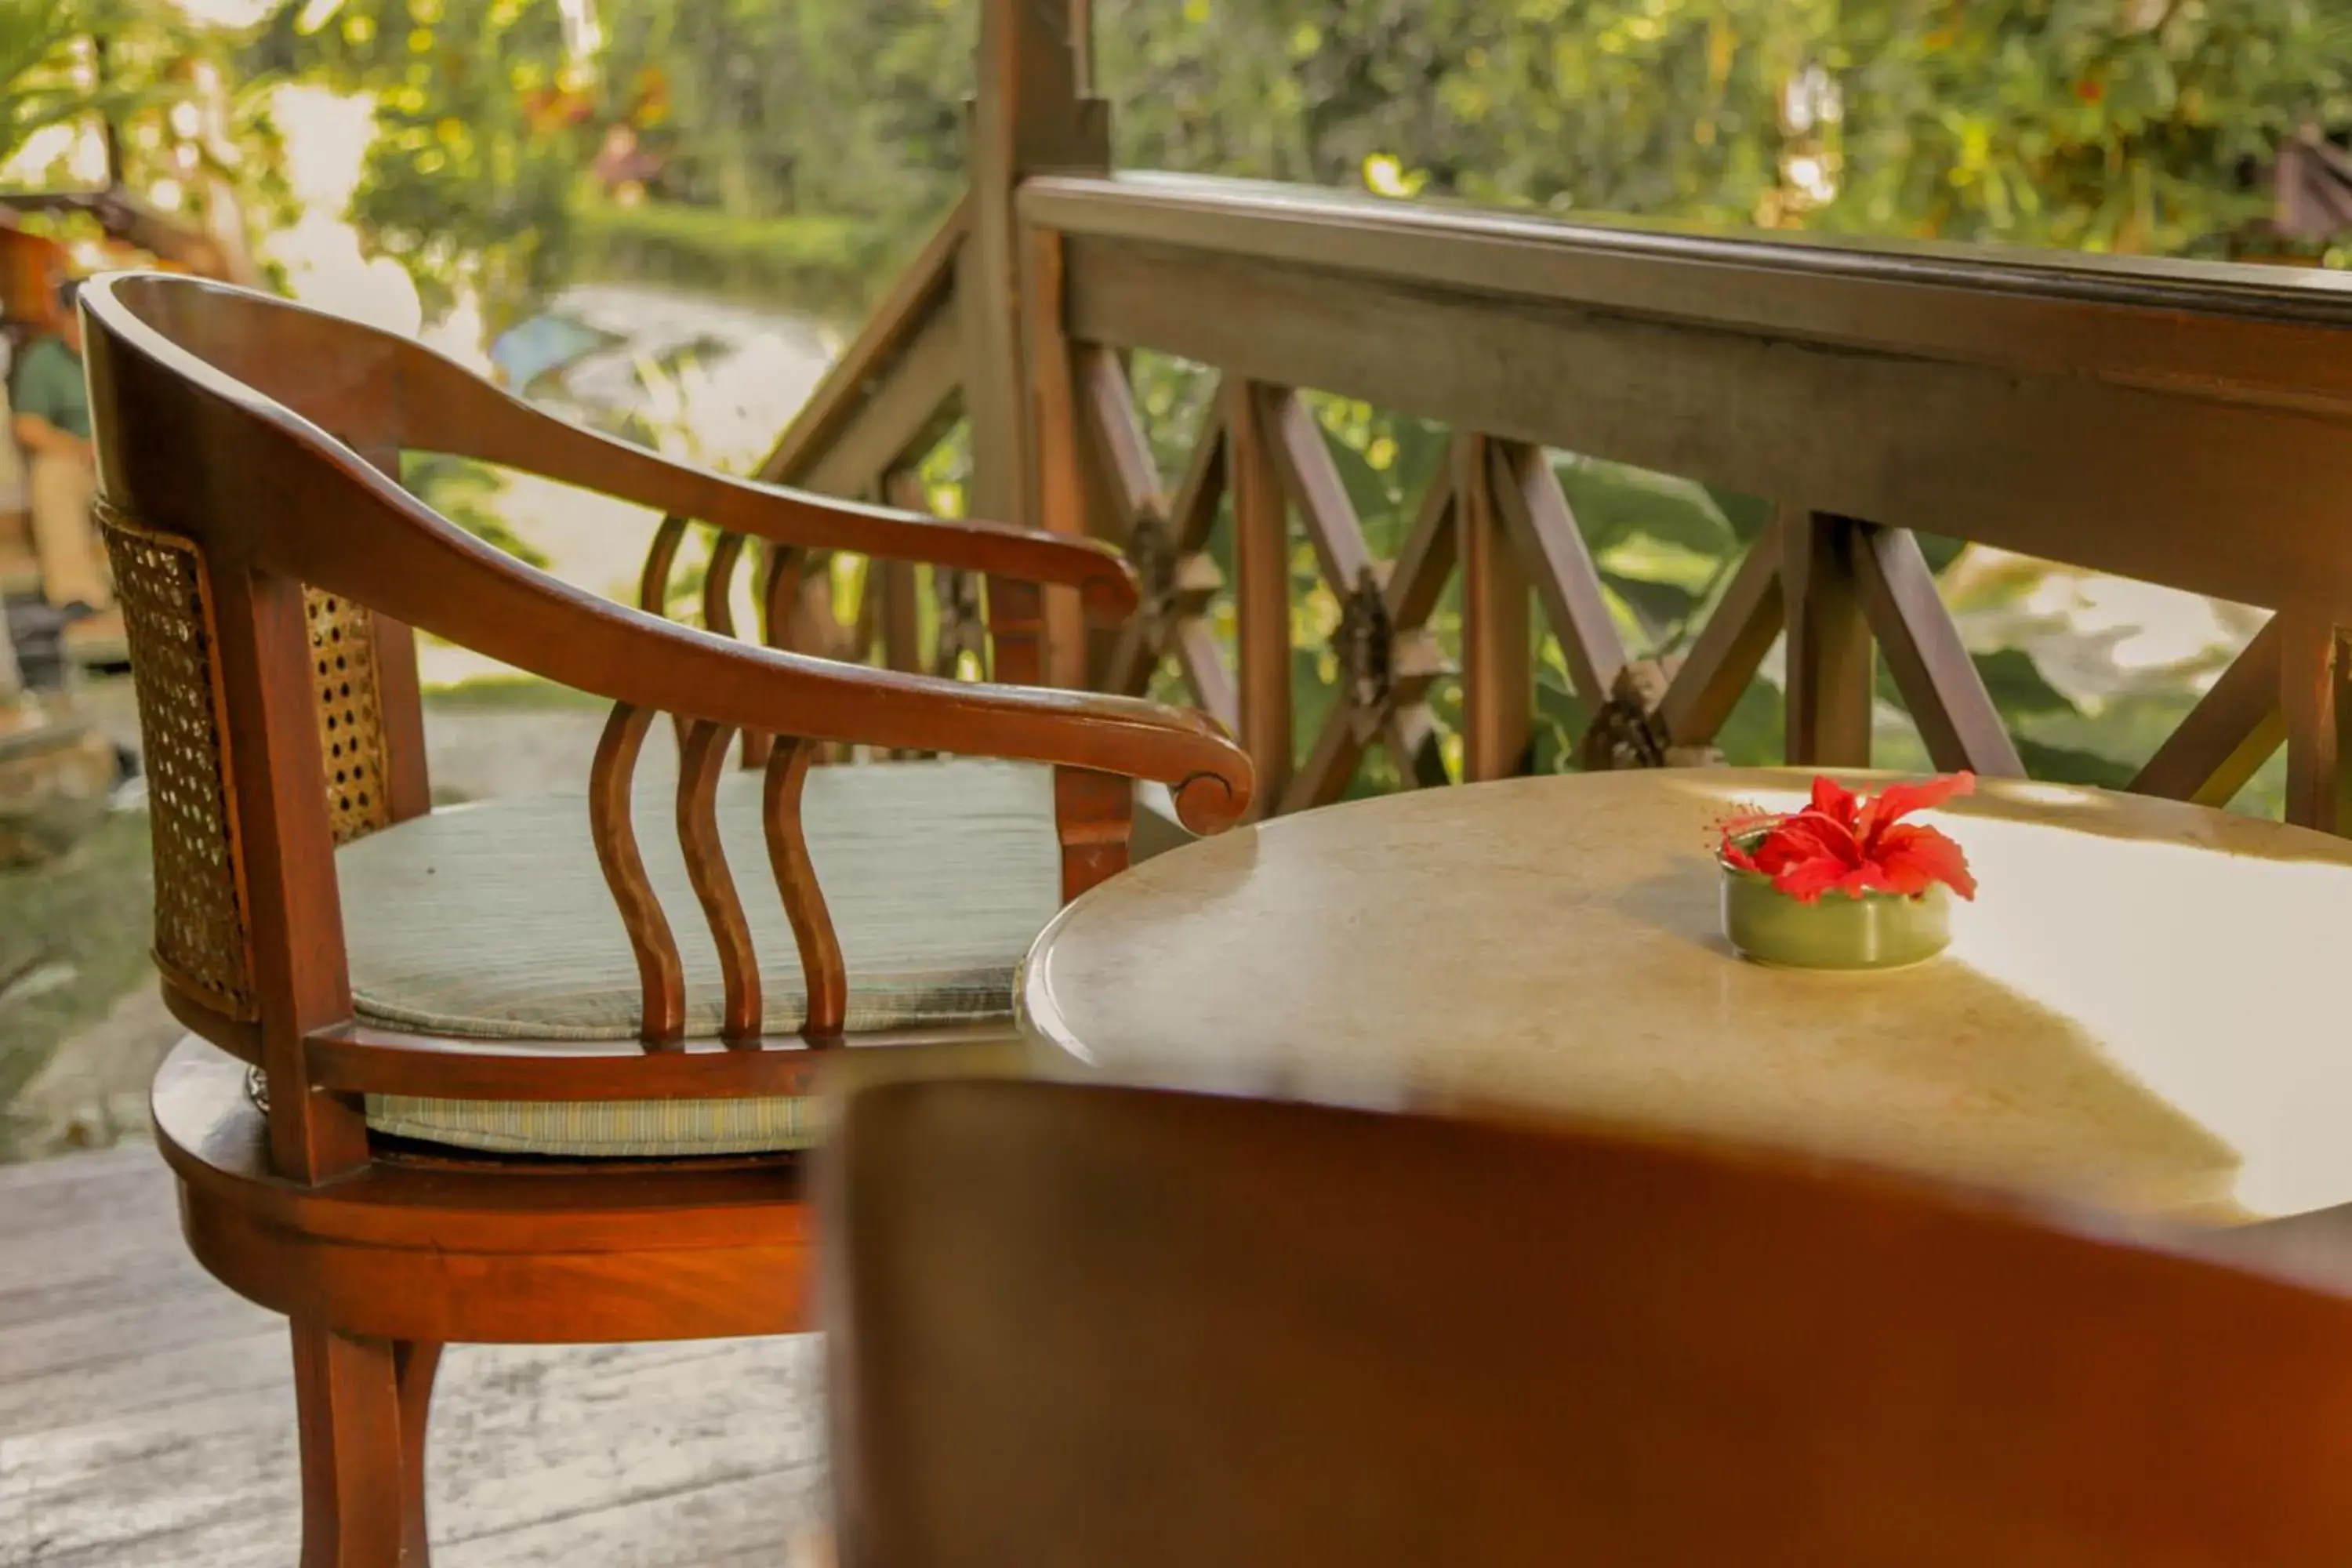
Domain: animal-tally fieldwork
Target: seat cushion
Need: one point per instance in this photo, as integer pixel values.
(493, 921)
(671, 1128)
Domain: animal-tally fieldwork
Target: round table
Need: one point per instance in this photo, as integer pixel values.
(2144, 1007)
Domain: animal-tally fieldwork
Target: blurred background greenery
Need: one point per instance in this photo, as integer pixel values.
(792, 153)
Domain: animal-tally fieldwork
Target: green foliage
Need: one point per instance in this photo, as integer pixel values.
(2114, 125)
(759, 108)
(37, 38)
(823, 263)
(801, 146)
(466, 492)
(481, 130)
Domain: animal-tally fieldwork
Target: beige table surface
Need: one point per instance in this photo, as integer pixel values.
(2143, 1008)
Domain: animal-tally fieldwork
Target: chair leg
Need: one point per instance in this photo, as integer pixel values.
(414, 1363)
(362, 1405)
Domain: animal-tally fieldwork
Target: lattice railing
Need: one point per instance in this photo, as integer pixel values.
(2183, 425)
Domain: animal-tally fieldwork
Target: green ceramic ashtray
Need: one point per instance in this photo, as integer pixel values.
(1836, 931)
(1845, 883)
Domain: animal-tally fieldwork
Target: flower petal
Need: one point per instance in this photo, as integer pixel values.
(1806, 880)
(1912, 858)
(1833, 801)
(1809, 833)
(1899, 801)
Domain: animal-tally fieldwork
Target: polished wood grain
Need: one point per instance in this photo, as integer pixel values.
(1830, 661)
(1724, 655)
(824, 974)
(1556, 943)
(1498, 634)
(2127, 416)
(1535, 514)
(1080, 1326)
(1261, 565)
(212, 408)
(922, 293)
(612, 827)
(2236, 726)
(702, 760)
(1941, 688)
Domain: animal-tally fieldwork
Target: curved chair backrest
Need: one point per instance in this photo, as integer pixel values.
(1077, 1326)
(270, 569)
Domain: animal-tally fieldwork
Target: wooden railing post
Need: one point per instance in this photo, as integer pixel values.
(1830, 683)
(2315, 697)
(1033, 114)
(1498, 634)
(1261, 591)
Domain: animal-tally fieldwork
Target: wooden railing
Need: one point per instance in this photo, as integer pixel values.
(2188, 425)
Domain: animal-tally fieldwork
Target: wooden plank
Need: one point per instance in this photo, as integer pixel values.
(2233, 730)
(1330, 764)
(1194, 513)
(1304, 457)
(133, 1377)
(922, 295)
(1204, 666)
(2066, 467)
(1187, 520)
(1829, 692)
(1427, 558)
(1106, 404)
(113, 1190)
(1128, 502)
(904, 414)
(1497, 646)
(766, 1519)
(1192, 516)
(895, 583)
(1412, 736)
(147, 1418)
(1940, 682)
(2315, 697)
(1542, 528)
(2199, 328)
(1058, 470)
(1261, 593)
(1724, 658)
(1031, 113)
(159, 1309)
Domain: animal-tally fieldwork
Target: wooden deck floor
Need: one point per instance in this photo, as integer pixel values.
(147, 1415)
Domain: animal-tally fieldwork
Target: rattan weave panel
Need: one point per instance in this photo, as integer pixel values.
(351, 714)
(201, 929)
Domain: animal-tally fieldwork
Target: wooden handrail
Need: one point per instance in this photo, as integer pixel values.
(2228, 328)
(2135, 417)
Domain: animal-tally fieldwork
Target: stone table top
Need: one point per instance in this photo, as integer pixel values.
(2144, 1007)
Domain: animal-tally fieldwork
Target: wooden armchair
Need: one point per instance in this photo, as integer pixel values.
(1075, 1326)
(516, 1089)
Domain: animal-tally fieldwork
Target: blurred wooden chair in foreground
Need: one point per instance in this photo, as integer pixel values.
(538, 1070)
(1082, 1326)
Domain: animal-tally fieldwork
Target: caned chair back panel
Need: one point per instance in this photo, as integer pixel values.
(346, 663)
(202, 929)
(364, 687)
(1075, 1326)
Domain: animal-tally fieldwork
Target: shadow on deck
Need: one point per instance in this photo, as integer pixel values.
(147, 1414)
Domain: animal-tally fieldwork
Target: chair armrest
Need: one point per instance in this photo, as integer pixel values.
(446, 408)
(393, 553)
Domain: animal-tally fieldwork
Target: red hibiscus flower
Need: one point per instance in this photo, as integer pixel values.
(1845, 843)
